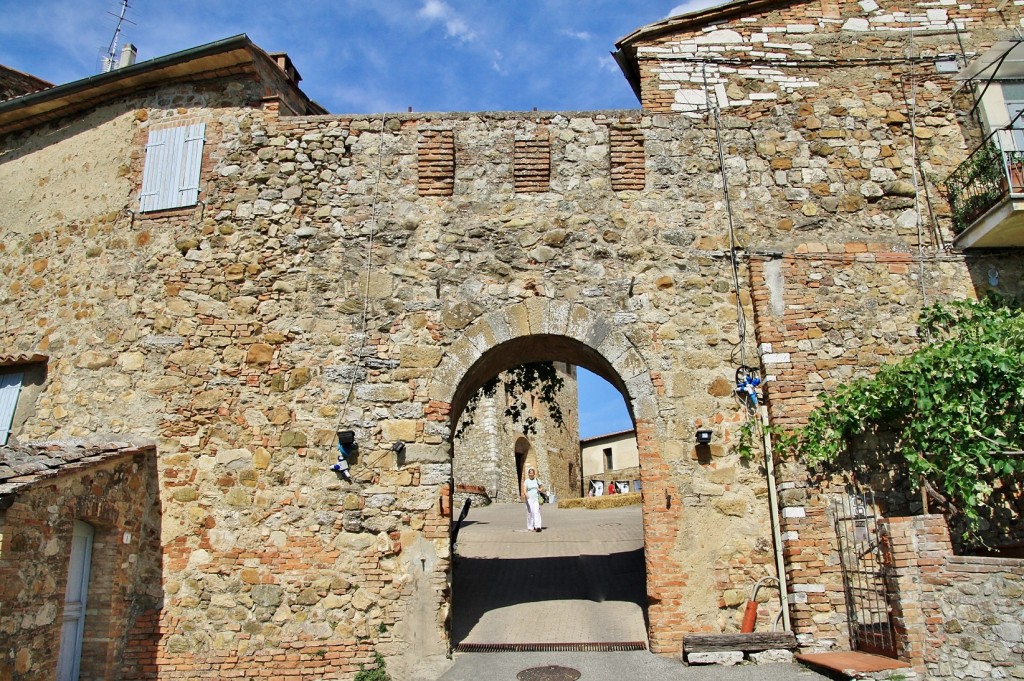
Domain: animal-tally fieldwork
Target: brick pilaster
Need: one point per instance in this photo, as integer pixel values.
(915, 549)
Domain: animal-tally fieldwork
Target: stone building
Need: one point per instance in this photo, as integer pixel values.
(610, 458)
(491, 456)
(195, 255)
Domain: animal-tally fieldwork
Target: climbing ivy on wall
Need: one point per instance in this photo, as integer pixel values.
(539, 378)
(954, 410)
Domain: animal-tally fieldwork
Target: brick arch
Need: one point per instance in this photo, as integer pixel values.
(542, 329)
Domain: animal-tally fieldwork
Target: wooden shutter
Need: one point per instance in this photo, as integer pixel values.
(174, 159)
(10, 388)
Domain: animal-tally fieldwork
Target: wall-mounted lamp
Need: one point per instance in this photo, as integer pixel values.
(398, 447)
(704, 436)
(346, 448)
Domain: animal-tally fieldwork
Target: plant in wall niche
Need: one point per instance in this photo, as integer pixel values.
(539, 378)
(378, 673)
(953, 408)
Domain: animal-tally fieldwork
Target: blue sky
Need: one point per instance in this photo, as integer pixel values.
(359, 56)
(602, 409)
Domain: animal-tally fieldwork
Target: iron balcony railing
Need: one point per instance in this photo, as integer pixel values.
(992, 173)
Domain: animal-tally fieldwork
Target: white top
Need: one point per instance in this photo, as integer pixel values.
(532, 488)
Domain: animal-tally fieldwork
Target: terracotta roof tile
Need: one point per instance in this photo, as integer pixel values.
(22, 465)
(12, 359)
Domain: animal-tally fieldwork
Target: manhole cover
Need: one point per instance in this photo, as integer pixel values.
(549, 673)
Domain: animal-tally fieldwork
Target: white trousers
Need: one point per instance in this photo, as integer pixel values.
(533, 514)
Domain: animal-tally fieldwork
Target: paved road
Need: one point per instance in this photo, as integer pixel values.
(580, 580)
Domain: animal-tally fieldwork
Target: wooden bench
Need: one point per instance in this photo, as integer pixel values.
(755, 642)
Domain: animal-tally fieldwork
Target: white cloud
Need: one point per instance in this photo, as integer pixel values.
(692, 6)
(579, 35)
(498, 63)
(607, 63)
(454, 25)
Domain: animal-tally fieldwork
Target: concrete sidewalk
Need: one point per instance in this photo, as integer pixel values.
(580, 580)
(616, 667)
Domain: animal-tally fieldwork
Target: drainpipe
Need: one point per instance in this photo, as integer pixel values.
(773, 509)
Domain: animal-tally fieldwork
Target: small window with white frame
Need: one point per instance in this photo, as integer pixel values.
(174, 159)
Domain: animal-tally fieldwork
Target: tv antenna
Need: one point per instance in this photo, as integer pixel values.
(110, 61)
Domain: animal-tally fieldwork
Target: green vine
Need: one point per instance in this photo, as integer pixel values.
(951, 412)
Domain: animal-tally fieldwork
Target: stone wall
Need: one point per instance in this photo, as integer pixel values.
(233, 333)
(750, 58)
(485, 452)
(114, 489)
(370, 272)
(957, 617)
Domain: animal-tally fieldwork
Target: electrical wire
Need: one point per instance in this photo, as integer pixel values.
(740, 318)
(369, 268)
(914, 160)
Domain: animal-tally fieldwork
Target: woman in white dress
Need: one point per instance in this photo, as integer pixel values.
(531, 490)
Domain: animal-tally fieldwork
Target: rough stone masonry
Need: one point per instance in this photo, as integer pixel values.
(370, 272)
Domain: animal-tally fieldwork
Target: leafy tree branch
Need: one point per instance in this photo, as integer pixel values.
(537, 378)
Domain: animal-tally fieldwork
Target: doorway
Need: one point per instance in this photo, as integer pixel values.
(75, 602)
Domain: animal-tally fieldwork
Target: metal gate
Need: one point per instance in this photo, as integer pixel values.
(865, 575)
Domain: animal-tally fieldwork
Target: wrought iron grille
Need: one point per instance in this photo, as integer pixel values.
(993, 172)
(865, 574)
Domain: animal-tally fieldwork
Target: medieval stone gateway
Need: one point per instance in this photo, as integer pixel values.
(178, 356)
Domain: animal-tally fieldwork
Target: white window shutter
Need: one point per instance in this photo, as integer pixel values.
(10, 388)
(174, 158)
(191, 164)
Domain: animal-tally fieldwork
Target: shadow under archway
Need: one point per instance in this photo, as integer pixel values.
(579, 581)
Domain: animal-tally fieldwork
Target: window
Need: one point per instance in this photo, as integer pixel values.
(1013, 96)
(174, 157)
(10, 389)
(22, 377)
(608, 459)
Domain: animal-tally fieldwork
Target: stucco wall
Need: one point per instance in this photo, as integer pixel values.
(74, 173)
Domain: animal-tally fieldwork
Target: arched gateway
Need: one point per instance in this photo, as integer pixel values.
(543, 329)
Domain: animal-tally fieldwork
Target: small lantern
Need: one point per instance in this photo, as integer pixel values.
(704, 436)
(346, 447)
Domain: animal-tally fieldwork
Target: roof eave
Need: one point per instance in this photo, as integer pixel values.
(231, 53)
(627, 44)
